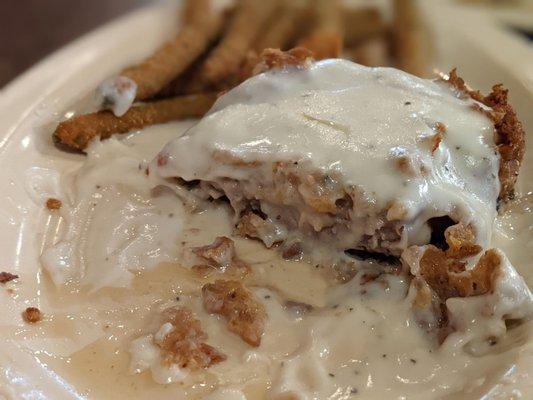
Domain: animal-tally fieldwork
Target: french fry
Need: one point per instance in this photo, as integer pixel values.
(373, 52)
(282, 29)
(225, 60)
(194, 11)
(77, 132)
(362, 23)
(326, 37)
(201, 28)
(410, 39)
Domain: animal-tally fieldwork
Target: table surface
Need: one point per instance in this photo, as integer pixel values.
(31, 29)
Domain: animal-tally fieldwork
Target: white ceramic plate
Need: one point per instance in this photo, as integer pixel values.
(30, 106)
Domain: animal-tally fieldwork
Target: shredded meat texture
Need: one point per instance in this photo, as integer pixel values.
(245, 315)
(510, 135)
(220, 255)
(32, 315)
(185, 344)
(7, 277)
(445, 270)
(313, 205)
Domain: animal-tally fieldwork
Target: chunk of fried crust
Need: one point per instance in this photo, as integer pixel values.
(295, 57)
(274, 58)
(221, 256)
(245, 315)
(220, 253)
(185, 344)
(510, 135)
(445, 271)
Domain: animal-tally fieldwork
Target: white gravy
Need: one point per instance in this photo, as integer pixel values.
(343, 117)
(356, 343)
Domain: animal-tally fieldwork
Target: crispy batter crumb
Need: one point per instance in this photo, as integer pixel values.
(445, 271)
(423, 294)
(251, 225)
(246, 316)
(437, 138)
(7, 276)
(185, 344)
(510, 135)
(32, 315)
(53, 204)
(461, 240)
(275, 58)
(219, 255)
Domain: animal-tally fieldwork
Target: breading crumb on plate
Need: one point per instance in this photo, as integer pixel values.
(245, 315)
(53, 204)
(32, 315)
(7, 277)
(184, 343)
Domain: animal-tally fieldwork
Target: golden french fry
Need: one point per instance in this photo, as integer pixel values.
(201, 28)
(410, 39)
(194, 11)
(362, 23)
(282, 29)
(225, 60)
(326, 37)
(373, 52)
(77, 132)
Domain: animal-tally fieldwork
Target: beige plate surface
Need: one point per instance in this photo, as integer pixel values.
(465, 37)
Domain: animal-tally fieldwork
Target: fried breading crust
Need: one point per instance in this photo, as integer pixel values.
(245, 315)
(445, 270)
(295, 57)
(220, 256)
(185, 344)
(510, 135)
(274, 58)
